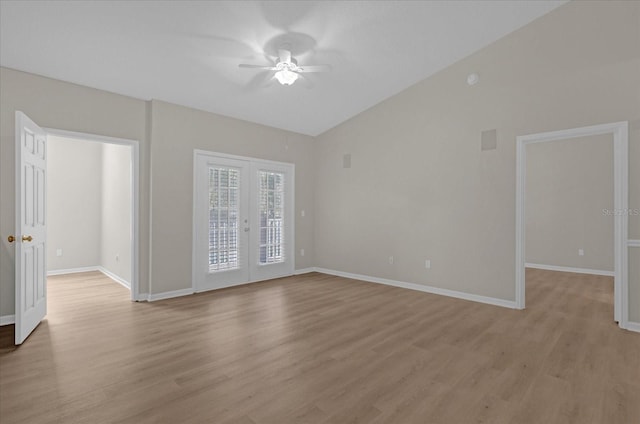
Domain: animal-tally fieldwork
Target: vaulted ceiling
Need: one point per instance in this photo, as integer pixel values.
(187, 52)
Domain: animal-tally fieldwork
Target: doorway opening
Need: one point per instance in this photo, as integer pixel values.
(92, 203)
(88, 214)
(31, 217)
(617, 265)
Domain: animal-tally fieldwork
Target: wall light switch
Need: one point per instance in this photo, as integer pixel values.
(427, 263)
(301, 252)
(391, 260)
(580, 252)
(302, 213)
(58, 252)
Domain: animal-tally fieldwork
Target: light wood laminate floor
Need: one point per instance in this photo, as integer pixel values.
(323, 349)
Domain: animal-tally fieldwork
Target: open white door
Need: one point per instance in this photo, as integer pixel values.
(31, 280)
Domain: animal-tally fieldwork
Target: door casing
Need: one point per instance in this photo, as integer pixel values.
(254, 164)
(135, 192)
(620, 132)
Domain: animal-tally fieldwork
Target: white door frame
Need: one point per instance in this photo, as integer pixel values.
(198, 153)
(135, 203)
(620, 132)
(258, 271)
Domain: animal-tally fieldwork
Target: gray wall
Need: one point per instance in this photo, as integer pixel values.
(634, 289)
(61, 105)
(420, 187)
(569, 184)
(89, 206)
(115, 225)
(74, 203)
(176, 132)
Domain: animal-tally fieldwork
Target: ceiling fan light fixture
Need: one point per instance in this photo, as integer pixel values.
(286, 77)
(287, 70)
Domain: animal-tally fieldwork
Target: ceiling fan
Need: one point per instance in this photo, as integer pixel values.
(287, 68)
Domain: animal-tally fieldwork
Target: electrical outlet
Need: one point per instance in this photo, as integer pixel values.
(580, 252)
(427, 263)
(301, 252)
(58, 252)
(391, 260)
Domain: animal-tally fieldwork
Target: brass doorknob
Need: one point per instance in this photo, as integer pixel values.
(11, 239)
(27, 238)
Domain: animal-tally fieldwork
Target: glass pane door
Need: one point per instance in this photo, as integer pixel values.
(243, 221)
(272, 242)
(221, 228)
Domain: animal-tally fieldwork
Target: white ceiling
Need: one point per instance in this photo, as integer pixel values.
(187, 52)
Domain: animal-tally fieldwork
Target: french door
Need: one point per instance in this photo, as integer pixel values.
(31, 231)
(243, 220)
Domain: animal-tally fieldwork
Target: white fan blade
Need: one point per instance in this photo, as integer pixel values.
(314, 68)
(284, 55)
(262, 80)
(268, 68)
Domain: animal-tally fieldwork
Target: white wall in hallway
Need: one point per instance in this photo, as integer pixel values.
(569, 188)
(89, 206)
(74, 199)
(115, 249)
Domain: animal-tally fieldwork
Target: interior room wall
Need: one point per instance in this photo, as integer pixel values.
(634, 177)
(115, 225)
(419, 186)
(89, 206)
(569, 188)
(634, 289)
(74, 203)
(61, 105)
(176, 132)
(634, 222)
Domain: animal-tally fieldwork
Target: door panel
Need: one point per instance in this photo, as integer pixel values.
(272, 211)
(221, 195)
(31, 291)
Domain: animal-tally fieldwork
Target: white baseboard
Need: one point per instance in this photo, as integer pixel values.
(169, 294)
(423, 288)
(99, 268)
(73, 270)
(114, 277)
(142, 297)
(7, 320)
(570, 269)
(189, 291)
(633, 326)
